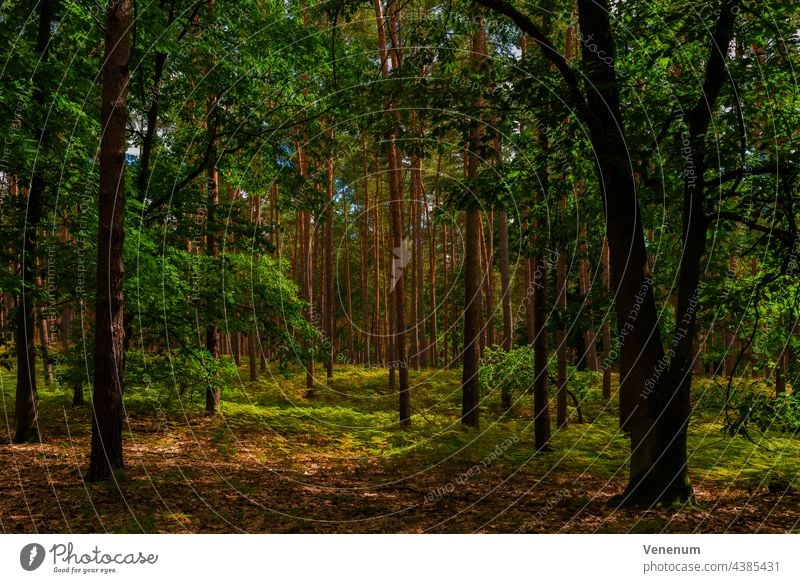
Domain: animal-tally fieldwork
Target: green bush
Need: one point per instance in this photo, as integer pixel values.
(509, 372)
(584, 383)
(780, 413)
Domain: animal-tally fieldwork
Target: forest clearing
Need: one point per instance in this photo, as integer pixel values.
(274, 462)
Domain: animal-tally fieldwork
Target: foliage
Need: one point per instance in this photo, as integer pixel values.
(766, 413)
(509, 372)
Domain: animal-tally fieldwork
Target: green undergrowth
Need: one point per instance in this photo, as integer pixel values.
(354, 416)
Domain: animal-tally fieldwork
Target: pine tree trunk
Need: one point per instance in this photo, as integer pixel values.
(213, 392)
(399, 280)
(109, 357)
(606, 324)
(470, 390)
(541, 401)
(26, 406)
(433, 343)
(44, 346)
(473, 263)
(329, 312)
(252, 349)
(351, 355)
(366, 333)
(505, 299)
(488, 245)
(562, 418)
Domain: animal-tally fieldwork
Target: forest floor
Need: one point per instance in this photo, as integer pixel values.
(275, 461)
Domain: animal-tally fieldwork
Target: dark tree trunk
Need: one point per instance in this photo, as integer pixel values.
(541, 401)
(27, 399)
(562, 418)
(399, 252)
(306, 267)
(606, 326)
(328, 279)
(366, 318)
(235, 342)
(654, 415)
(470, 390)
(348, 292)
(26, 408)
(399, 281)
(780, 379)
(505, 299)
(77, 394)
(659, 460)
(488, 242)
(213, 392)
(109, 355)
(473, 263)
(308, 291)
(149, 138)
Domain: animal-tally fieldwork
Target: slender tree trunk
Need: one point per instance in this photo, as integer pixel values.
(562, 418)
(366, 334)
(44, 346)
(399, 282)
(606, 324)
(396, 215)
(488, 288)
(213, 392)
(351, 355)
(473, 272)
(780, 379)
(447, 296)
(26, 408)
(419, 264)
(377, 332)
(505, 299)
(329, 312)
(415, 284)
(252, 352)
(306, 266)
(433, 344)
(541, 401)
(453, 315)
(585, 289)
(470, 389)
(236, 345)
(109, 357)
(307, 269)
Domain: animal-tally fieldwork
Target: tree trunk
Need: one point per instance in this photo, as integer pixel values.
(488, 246)
(399, 260)
(366, 333)
(606, 324)
(109, 356)
(44, 346)
(399, 281)
(541, 401)
(473, 263)
(213, 392)
(306, 267)
(328, 279)
(26, 407)
(470, 390)
(505, 299)
(351, 355)
(562, 418)
(252, 352)
(433, 343)
(419, 263)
